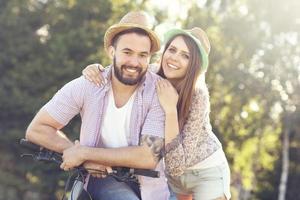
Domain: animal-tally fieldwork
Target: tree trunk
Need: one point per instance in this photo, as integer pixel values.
(285, 165)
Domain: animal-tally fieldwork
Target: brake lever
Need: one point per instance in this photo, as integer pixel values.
(48, 156)
(27, 155)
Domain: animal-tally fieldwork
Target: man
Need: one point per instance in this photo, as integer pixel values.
(122, 121)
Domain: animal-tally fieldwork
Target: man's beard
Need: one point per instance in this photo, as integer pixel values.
(118, 72)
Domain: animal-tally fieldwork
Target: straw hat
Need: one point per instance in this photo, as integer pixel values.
(137, 19)
(200, 38)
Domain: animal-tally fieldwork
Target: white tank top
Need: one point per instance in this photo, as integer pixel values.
(115, 128)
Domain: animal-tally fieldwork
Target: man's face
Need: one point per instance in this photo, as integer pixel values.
(131, 56)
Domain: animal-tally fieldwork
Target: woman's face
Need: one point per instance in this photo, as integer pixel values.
(175, 60)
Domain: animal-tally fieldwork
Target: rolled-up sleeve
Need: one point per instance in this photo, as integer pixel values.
(67, 102)
(155, 120)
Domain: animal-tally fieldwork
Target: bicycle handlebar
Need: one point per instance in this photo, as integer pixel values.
(44, 154)
(30, 145)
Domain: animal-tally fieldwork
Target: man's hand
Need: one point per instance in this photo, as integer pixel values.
(97, 170)
(72, 157)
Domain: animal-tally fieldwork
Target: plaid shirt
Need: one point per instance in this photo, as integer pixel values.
(147, 117)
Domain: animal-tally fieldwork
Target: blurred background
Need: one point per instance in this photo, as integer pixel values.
(253, 79)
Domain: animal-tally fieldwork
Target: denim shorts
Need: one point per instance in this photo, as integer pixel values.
(203, 184)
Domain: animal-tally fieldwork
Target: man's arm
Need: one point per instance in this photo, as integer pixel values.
(44, 131)
(65, 104)
(145, 156)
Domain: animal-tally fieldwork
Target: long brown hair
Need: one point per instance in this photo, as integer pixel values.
(188, 83)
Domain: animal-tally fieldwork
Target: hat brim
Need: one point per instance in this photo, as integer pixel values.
(174, 32)
(117, 28)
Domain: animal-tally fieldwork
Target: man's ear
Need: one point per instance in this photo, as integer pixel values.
(111, 52)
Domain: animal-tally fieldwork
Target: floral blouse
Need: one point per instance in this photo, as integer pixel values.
(197, 141)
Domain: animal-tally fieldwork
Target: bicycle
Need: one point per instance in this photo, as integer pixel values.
(78, 192)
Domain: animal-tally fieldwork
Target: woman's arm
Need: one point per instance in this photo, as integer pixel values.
(168, 98)
(179, 154)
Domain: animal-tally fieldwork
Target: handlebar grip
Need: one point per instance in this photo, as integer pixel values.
(30, 145)
(146, 172)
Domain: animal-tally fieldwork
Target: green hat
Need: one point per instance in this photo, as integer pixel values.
(199, 36)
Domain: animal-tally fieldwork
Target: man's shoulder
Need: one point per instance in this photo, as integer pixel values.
(81, 83)
(152, 77)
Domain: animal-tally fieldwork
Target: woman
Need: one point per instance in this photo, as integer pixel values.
(196, 166)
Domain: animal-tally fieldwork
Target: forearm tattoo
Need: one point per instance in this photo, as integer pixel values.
(156, 145)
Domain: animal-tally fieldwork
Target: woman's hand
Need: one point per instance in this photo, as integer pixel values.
(93, 73)
(167, 95)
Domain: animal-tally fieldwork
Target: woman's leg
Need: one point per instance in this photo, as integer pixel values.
(184, 197)
(221, 198)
